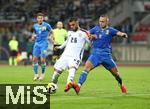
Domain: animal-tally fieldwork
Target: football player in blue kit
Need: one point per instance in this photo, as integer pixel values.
(41, 34)
(101, 53)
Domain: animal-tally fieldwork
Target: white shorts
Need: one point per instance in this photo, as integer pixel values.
(65, 62)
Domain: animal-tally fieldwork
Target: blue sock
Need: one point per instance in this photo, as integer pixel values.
(43, 66)
(83, 77)
(35, 67)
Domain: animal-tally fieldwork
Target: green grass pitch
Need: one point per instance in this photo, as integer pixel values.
(100, 91)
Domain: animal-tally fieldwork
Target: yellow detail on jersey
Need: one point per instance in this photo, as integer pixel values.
(44, 28)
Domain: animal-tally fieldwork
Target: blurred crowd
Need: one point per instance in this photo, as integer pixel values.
(17, 17)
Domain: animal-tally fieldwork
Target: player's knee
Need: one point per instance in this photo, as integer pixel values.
(114, 70)
(42, 61)
(35, 60)
(87, 67)
(57, 71)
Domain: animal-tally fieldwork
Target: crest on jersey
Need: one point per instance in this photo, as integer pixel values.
(80, 35)
(107, 32)
(100, 36)
(44, 28)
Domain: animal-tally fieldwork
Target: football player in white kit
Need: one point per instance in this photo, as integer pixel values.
(72, 55)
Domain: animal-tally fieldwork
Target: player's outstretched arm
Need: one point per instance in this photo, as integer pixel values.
(60, 47)
(56, 48)
(122, 34)
(92, 37)
(63, 45)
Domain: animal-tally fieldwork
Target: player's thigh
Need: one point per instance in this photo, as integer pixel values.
(109, 64)
(36, 51)
(42, 60)
(35, 59)
(61, 64)
(88, 66)
(92, 62)
(43, 50)
(74, 62)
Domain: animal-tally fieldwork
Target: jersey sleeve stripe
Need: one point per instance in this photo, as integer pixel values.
(86, 32)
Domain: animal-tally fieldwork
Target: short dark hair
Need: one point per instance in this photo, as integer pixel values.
(104, 15)
(40, 14)
(73, 19)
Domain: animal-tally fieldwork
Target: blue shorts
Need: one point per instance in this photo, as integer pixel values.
(40, 49)
(106, 60)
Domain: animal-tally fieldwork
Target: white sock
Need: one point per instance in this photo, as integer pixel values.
(71, 75)
(55, 77)
(79, 84)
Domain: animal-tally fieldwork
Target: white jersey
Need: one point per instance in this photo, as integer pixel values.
(72, 55)
(75, 43)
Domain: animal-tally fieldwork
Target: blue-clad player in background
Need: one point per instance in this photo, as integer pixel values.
(101, 53)
(41, 34)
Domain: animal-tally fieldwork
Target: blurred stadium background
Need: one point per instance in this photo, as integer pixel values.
(131, 16)
(100, 91)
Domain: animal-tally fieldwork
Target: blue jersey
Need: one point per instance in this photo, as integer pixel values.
(104, 38)
(101, 48)
(41, 42)
(42, 31)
